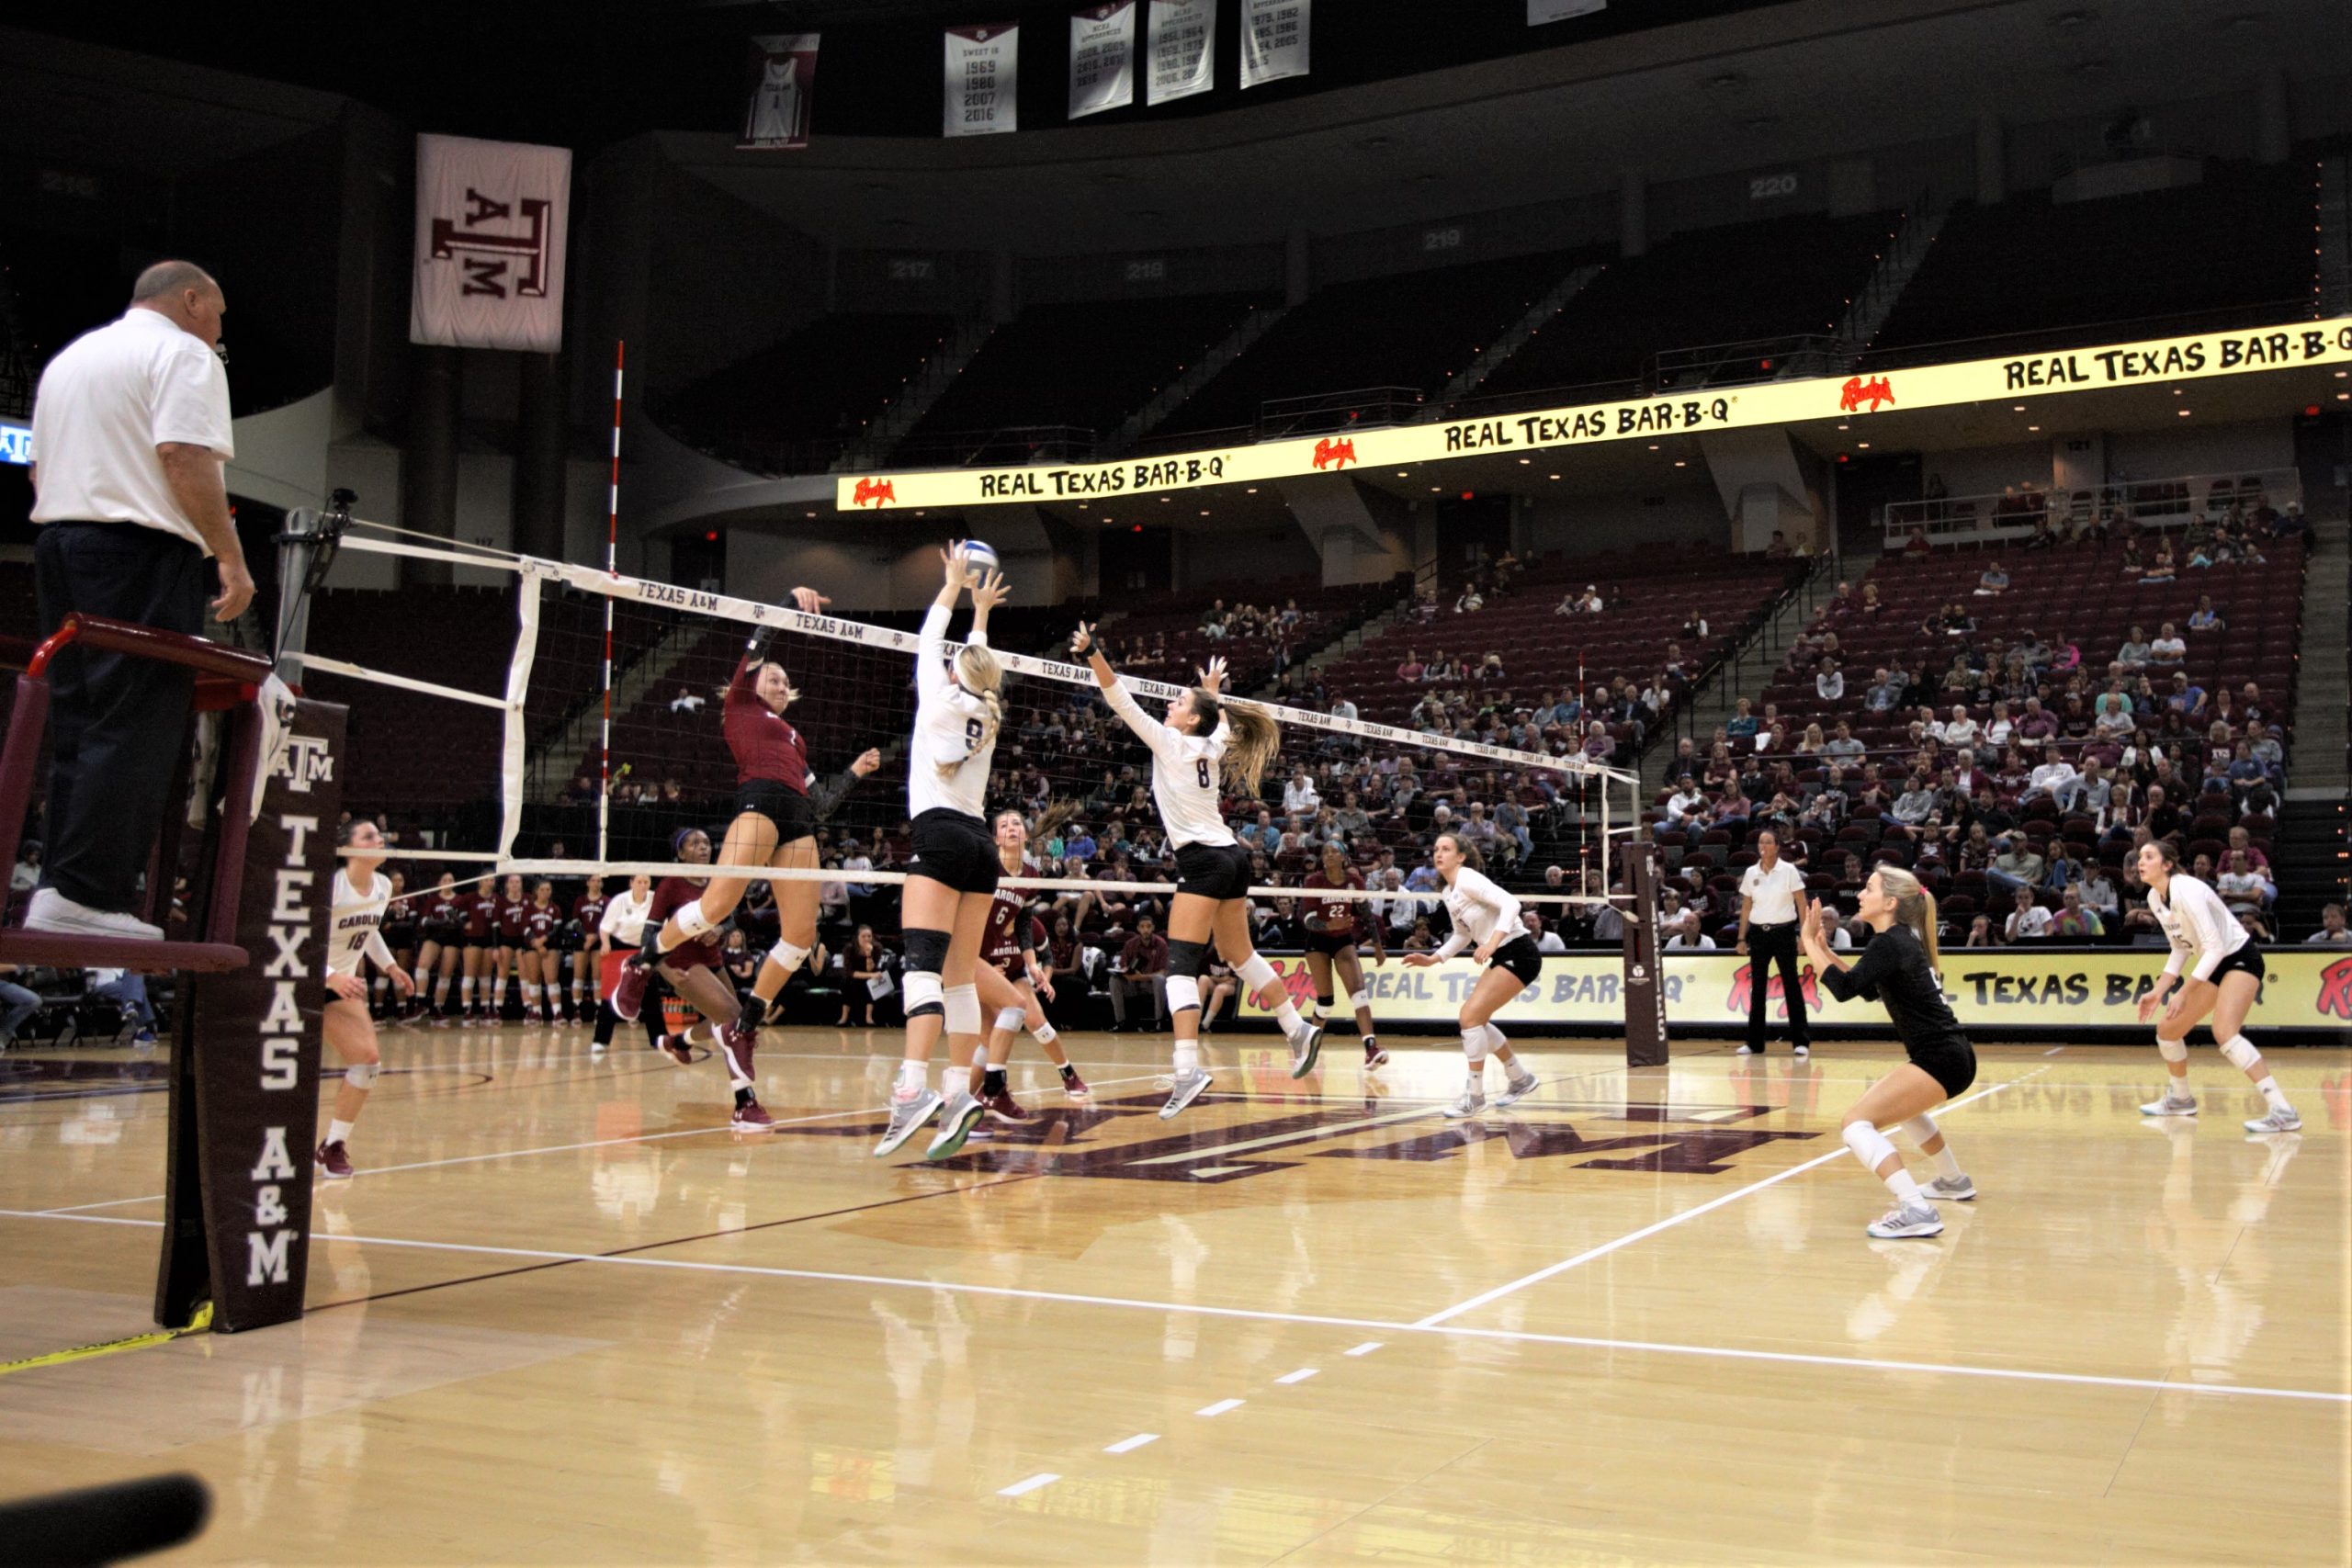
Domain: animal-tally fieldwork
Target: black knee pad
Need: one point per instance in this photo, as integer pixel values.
(1323, 999)
(927, 951)
(1189, 958)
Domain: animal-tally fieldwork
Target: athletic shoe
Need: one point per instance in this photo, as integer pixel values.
(1747, 1051)
(1002, 1107)
(2277, 1122)
(53, 912)
(1801, 1050)
(1473, 1101)
(1182, 1089)
(440, 1020)
(955, 1118)
(751, 1117)
(334, 1165)
(1958, 1188)
(629, 994)
(1075, 1090)
(1305, 1046)
(1373, 1057)
(2185, 1106)
(737, 1047)
(1523, 1084)
(1907, 1219)
(906, 1116)
(675, 1047)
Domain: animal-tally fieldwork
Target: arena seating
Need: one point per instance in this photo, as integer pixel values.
(1415, 329)
(791, 407)
(1777, 277)
(2242, 238)
(1087, 365)
(409, 750)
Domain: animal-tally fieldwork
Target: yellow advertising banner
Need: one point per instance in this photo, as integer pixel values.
(1991, 989)
(2164, 360)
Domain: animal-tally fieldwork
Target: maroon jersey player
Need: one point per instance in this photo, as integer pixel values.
(1334, 928)
(692, 969)
(1011, 979)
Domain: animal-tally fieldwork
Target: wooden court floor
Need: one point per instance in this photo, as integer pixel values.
(564, 1316)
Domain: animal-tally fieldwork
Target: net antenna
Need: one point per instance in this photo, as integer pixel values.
(613, 567)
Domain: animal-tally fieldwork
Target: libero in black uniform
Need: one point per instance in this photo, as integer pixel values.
(1897, 970)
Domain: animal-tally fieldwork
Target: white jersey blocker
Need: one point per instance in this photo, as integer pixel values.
(1184, 772)
(2196, 920)
(1479, 909)
(352, 928)
(950, 727)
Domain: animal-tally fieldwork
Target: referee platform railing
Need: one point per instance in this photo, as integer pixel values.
(225, 679)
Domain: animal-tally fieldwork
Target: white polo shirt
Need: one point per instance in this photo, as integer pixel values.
(1772, 895)
(105, 402)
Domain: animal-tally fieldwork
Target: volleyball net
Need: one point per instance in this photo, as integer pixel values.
(610, 743)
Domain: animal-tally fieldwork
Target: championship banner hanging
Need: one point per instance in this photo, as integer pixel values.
(778, 97)
(1102, 59)
(1542, 11)
(2152, 362)
(983, 77)
(489, 233)
(2009, 991)
(1273, 40)
(1181, 50)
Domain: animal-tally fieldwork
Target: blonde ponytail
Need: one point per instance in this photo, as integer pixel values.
(1915, 907)
(978, 671)
(1251, 740)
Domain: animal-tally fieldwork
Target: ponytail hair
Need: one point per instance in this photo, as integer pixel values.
(1253, 739)
(1913, 906)
(1465, 848)
(978, 671)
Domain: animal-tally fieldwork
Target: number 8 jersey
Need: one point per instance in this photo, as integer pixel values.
(1184, 772)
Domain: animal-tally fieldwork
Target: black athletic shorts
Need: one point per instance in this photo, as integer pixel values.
(781, 804)
(1332, 942)
(1213, 870)
(1951, 1065)
(957, 850)
(2246, 960)
(1521, 957)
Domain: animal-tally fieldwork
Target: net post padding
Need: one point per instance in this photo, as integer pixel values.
(514, 749)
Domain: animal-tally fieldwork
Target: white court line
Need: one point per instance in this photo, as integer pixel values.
(2053, 1050)
(1194, 1309)
(557, 1148)
(1220, 1407)
(1299, 1376)
(1367, 1348)
(1129, 1444)
(1605, 1249)
(1044, 1478)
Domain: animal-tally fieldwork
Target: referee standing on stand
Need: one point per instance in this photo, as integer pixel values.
(1771, 892)
(130, 428)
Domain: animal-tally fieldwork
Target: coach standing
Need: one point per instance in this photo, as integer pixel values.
(1769, 892)
(130, 428)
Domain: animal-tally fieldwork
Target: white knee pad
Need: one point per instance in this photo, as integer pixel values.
(1183, 991)
(1473, 1044)
(1359, 1000)
(790, 956)
(1257, 973)
(362, 1074)
(1870, 1146)
(2241, 1053)
(1496, 1040)
(962, 1005)
(1921, 1129)
(693, 922)
(923, 992)
(2172, 1050)
(1010, 1019)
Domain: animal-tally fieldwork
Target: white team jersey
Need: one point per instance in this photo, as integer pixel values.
(351, 927)
(1184, 778)
(2195, 920)
(1479, 909)
(951, 727)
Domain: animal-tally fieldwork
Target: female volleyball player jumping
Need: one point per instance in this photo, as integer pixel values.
(1897, 969)
(1010, 978)
(2225, 983)
(360, 898)
(1206, 746)
(691, 970)
(1334, 926)
(775, 825)
(951, 882)
(1486, 919)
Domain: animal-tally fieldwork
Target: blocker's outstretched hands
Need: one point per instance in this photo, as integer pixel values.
(990, 591)
(1081, 641)
(808, 601)
(1213, 678)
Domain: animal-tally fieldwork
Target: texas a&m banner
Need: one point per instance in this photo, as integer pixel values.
(2005, 991)
(782, 87)
(1273, 40)
(1181, 49)
(983, 80)
(1103, 59)
(489, 232)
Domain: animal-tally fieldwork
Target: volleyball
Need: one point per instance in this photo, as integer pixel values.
(981, 554)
